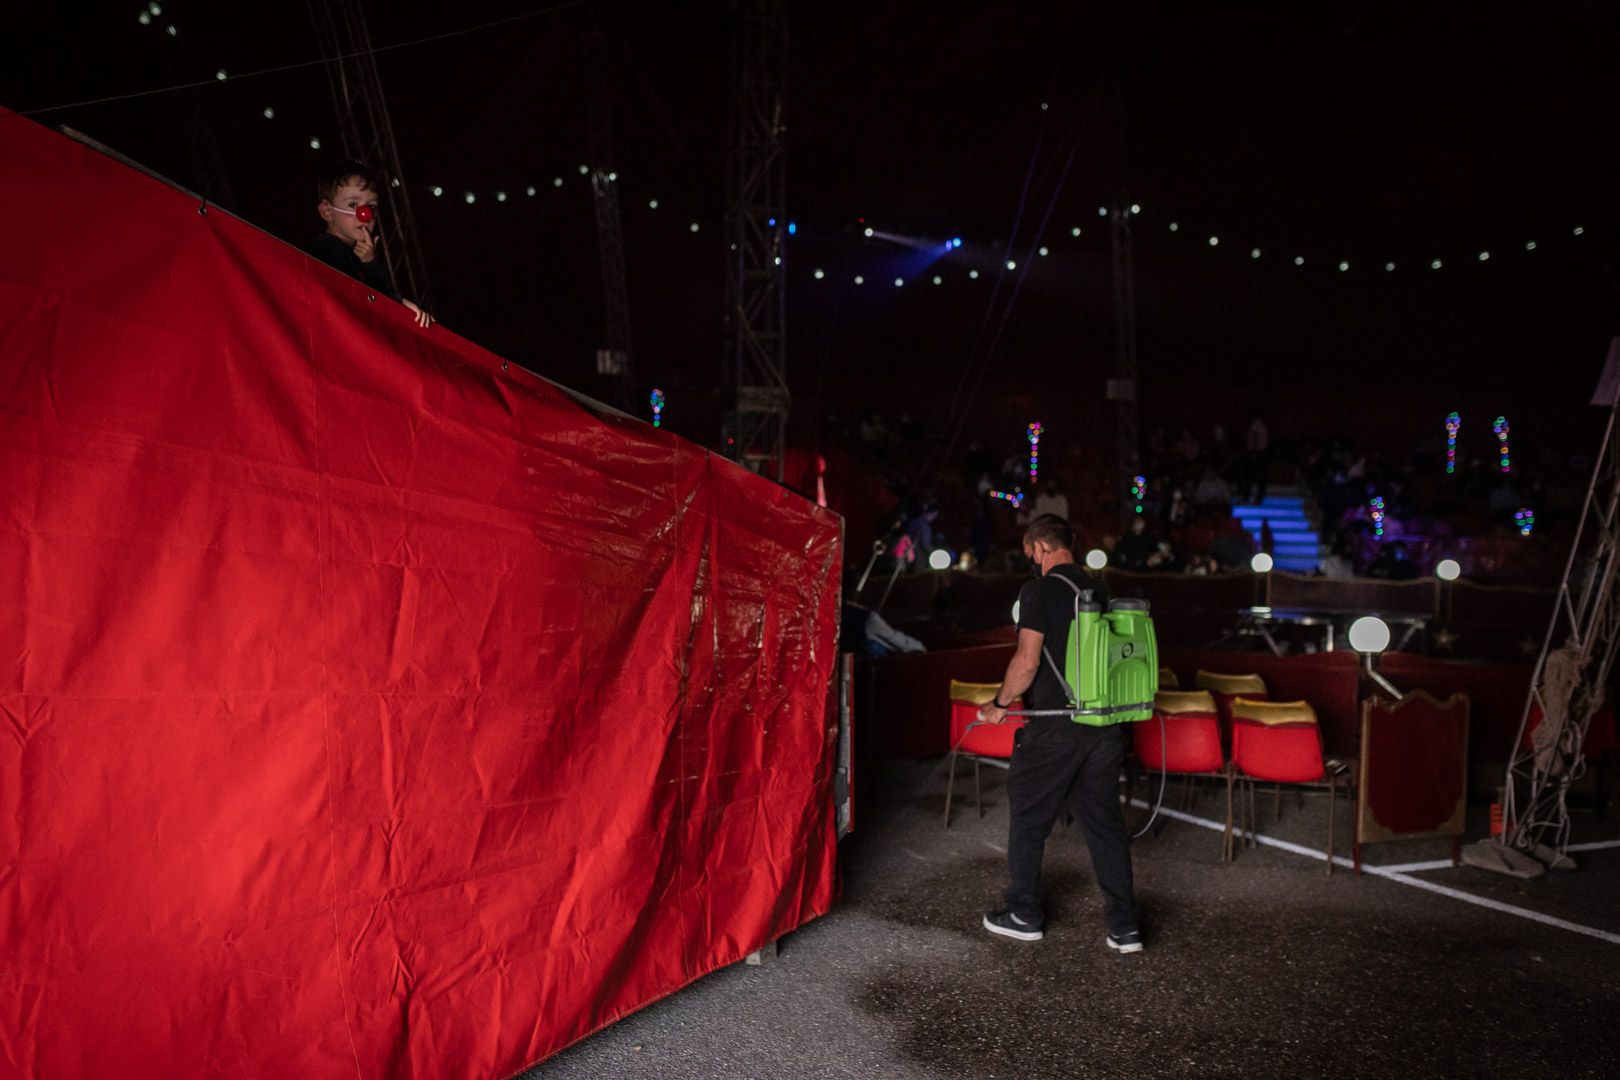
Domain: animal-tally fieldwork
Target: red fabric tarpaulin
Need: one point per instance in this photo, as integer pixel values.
(369, 709)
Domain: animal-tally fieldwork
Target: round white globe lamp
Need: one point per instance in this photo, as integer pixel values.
(1369, 634)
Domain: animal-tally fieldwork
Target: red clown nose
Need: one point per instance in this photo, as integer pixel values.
(365, 214)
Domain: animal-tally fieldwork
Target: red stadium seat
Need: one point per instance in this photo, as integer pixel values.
(982, 744)
(1279, 742)
(1228, 688)
(1183, 736)
(1190, 739)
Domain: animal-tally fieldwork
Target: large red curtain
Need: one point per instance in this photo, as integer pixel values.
(366, 708)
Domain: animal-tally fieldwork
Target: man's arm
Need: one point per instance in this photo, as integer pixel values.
(1020, 675)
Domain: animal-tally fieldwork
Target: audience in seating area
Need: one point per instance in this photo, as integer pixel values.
(1183, 520)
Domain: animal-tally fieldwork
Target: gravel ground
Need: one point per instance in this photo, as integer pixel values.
(1263, 967)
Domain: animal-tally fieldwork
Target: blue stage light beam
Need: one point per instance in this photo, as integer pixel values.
(915, 243)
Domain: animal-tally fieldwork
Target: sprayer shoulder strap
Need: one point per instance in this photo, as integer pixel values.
(1074, 628)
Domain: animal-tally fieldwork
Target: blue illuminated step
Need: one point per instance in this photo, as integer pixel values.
(1277, 526)
(1295, 545)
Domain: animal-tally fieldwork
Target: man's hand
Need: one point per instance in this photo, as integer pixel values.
(992, 714)
(365, 248)
(423, 319)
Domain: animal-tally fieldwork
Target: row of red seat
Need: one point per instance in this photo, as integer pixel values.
(1227, 728)
(1228, 715)
(1409, 778)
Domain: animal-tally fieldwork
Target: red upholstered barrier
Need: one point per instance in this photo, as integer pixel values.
(1326, 680)
(370, 709)
(1187, 609)
(1359, 594)
(1600, 735)
(904, 701)
(1496, 694)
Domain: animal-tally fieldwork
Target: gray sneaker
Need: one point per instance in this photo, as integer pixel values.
(1007, 924)
(1126, 943)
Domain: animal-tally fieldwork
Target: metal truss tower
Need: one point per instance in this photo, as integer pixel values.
(756, 226)
(368, 133)
(1569, 679)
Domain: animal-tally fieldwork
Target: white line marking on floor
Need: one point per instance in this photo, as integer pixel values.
(995, 847)
(1597, 845)
(914, 854)
(1416, 867)
(1390, 874)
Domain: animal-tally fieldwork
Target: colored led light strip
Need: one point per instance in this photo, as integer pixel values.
(656, 399)
(1376, 509)
(1034, 451)
(1014, 497)
(1453, 425)
(1525, 519)
(1502, 429)
(1139, 491)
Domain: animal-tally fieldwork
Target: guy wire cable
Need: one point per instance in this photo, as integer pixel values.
(955, 420)
(928, 466)
(549, 9)
(1024, 267)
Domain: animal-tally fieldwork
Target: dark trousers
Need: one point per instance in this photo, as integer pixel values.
(1058, 763)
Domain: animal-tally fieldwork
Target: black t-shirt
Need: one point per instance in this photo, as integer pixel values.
(1047, 607)
(340, 256)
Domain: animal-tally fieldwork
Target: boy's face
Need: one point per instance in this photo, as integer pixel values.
(338, 211)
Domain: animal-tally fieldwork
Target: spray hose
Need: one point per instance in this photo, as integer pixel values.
(1163, 770)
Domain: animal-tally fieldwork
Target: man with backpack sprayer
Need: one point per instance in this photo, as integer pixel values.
(1072, 746)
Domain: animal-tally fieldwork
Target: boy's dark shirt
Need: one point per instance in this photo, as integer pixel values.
(341, 257)
(1047, 607)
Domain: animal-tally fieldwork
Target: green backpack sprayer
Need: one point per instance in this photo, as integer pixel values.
(1110, 671)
